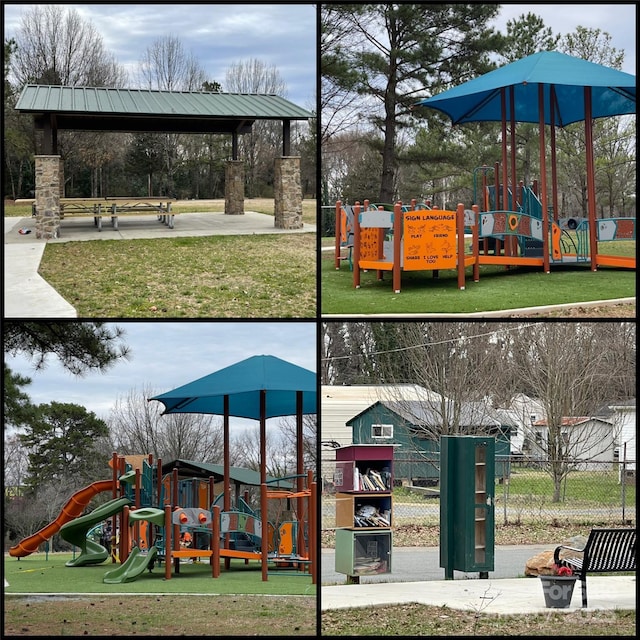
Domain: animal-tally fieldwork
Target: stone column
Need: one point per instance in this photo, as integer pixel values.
(287, 193)
(234, 188)
(47, 196)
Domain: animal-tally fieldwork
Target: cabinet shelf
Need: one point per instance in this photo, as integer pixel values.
(362, 553)
(363, 510)
(364, 483)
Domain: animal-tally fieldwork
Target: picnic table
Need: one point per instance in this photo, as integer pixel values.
(115, 206)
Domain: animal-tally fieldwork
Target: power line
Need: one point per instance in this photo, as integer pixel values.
(432, 344)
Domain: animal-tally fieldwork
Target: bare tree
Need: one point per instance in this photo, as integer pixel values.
(288, 431)
(569, 366)
(16, 461)
(137, 427)
(166, 66)
(26, 514)
(54, 45)
(245, 452)
(340, 112)
(280, 446)
(261, 145)
(458, 363)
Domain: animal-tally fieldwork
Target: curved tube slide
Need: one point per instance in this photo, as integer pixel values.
(75, 532)
(72, 509)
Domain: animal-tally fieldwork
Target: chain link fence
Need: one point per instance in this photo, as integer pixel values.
(595, 493)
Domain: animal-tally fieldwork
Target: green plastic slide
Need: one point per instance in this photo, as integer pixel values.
(135, 564)
(75, 532)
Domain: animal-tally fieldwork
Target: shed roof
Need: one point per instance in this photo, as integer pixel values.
(417, 413)
(110, 109)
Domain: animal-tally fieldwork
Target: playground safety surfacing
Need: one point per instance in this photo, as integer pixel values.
(39, 574)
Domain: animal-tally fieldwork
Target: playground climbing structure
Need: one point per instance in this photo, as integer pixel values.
(151, 505)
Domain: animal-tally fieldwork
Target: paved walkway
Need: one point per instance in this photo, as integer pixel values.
(506, 595)
(416, 576)
(28, 295)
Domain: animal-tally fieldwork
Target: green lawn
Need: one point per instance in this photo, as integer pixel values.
(189, 604)
(498, 288)
(214, 276)
(261, 276)
(38, 573)
(581, 487)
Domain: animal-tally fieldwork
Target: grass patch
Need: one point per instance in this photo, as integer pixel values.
(410, 620)
(581, 488)
(163, 615)
(191, 603)
(498, 288)
(38, 574)
(213, 276)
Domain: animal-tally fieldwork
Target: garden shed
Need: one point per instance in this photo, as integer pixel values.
(414, 427)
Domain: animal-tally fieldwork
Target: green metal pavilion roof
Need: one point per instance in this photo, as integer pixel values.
(109, 109)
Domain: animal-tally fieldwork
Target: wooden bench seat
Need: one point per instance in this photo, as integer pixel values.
(606, 551)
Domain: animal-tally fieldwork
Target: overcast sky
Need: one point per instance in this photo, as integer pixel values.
(618, 20)
(167, 355)
(284, 35)
(218, 36)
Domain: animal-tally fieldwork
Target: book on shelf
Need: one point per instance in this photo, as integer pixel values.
(377, 480)
(357, 485)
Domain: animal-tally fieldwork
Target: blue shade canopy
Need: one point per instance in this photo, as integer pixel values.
(243, 382)
(478, 100)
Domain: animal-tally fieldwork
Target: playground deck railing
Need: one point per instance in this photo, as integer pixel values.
(379, 239)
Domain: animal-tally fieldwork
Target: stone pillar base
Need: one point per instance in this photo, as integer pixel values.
(287, 193)
(48, 196)
(234, 188)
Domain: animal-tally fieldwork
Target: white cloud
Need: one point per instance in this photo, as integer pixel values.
(618, 20)
(217, 35)
(165, 355)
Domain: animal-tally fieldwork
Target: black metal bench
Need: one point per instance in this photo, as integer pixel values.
(606, 551)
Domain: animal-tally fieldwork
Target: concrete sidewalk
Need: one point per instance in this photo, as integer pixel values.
(28, 295)
(500, 596)
(416, 576)
(416, 564)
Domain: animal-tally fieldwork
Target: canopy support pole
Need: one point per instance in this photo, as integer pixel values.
(264, 516)
(226, 492)
(543, 183)
(554, 172)
(591, 186)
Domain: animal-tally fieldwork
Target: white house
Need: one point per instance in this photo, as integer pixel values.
(623, 416)
(523, 411)
(585, 439)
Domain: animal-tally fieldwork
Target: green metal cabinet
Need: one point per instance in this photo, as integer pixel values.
(467, 510)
